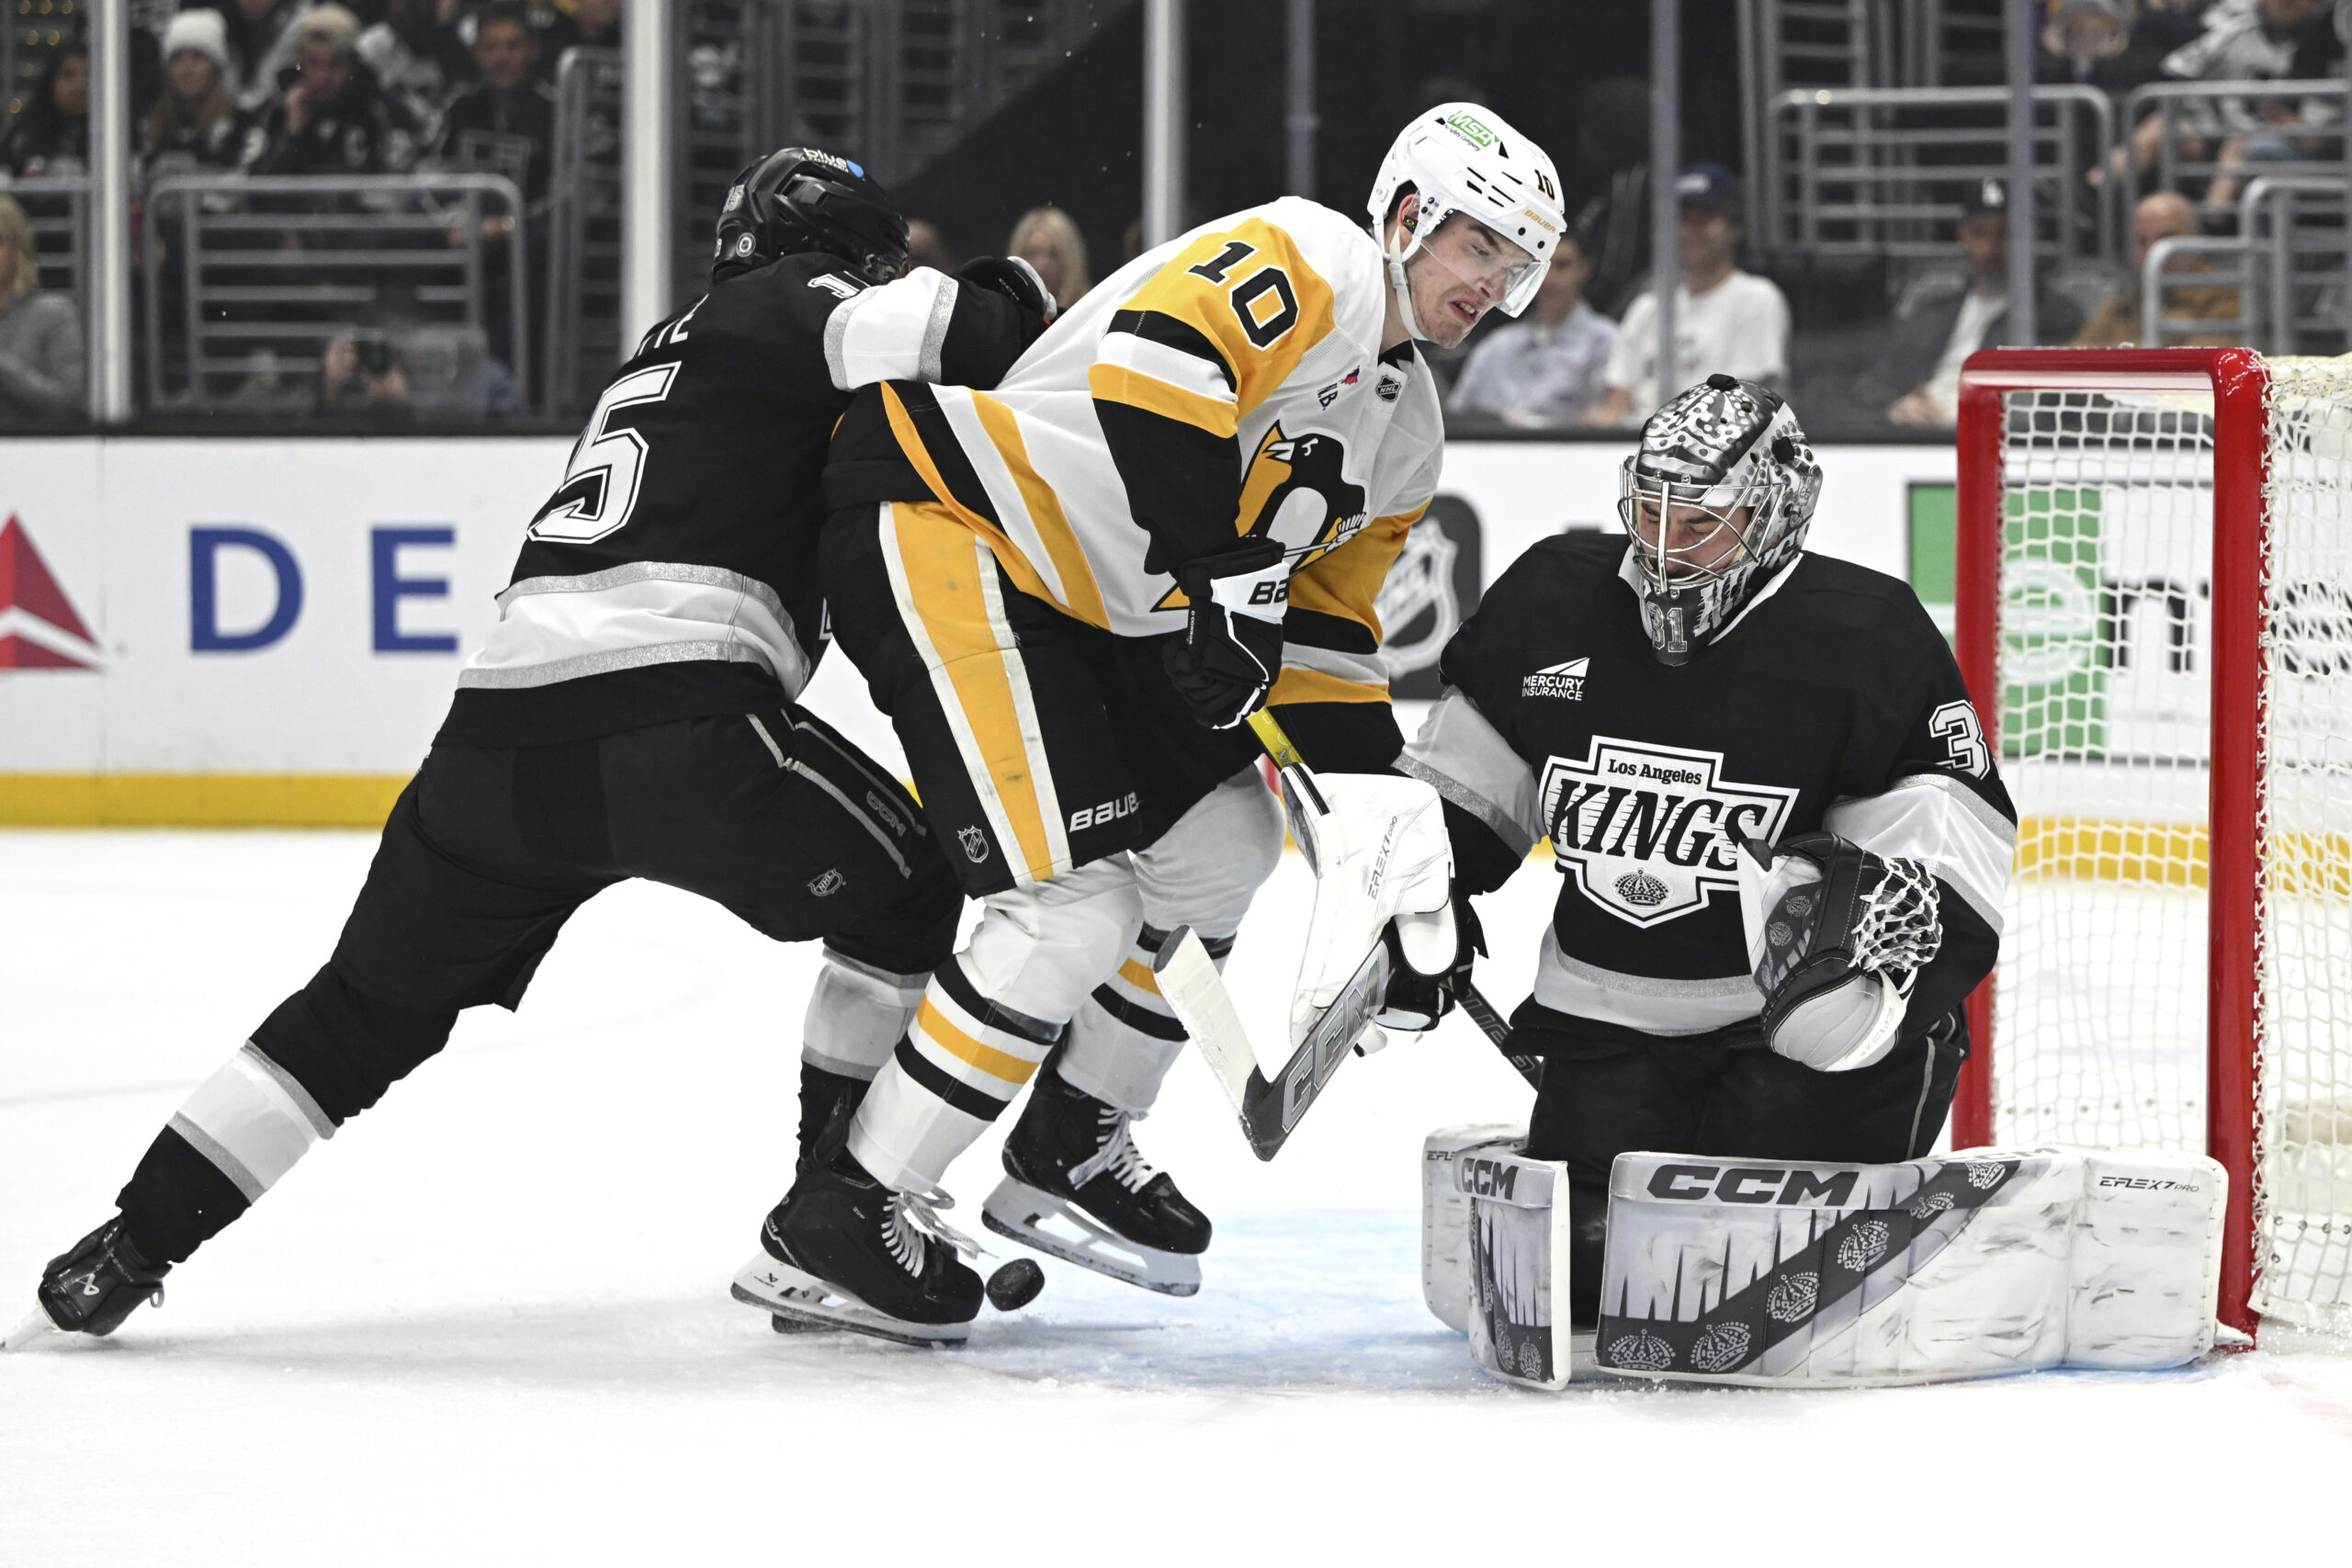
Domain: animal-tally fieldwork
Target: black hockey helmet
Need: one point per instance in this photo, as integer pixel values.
(798, 198)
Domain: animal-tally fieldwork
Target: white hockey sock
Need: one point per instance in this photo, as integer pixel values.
(1124, 1039)
(857, 1015)
(252, 1120)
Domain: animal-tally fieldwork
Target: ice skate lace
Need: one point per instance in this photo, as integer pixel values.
(912, 1221)
(1118, 1155)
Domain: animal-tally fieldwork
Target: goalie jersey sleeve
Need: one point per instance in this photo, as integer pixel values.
(672, 573)
(1831, 703)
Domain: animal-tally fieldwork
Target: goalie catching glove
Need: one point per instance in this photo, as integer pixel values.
(1836, 937)
(1232, 647)
(1415, 1001)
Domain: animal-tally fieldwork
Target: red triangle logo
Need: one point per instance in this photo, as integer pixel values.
(25, 585)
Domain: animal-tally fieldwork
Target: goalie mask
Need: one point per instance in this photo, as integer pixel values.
(1463, 158)
(1718, 498)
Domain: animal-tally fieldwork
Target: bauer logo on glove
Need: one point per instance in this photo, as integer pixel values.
(1836, 937)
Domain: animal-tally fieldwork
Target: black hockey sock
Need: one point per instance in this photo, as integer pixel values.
(176, 1201)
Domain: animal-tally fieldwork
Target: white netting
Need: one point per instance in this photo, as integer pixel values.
(2105, 672)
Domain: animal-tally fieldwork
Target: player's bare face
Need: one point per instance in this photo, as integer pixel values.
(1698, 541)
(1460, 272)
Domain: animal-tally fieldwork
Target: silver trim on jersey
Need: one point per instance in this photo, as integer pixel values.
(900, 322)
(1467, 761)
(1365, 669)
(1639, 1001)
(934, 335)
(1965, 841)
(552, 629)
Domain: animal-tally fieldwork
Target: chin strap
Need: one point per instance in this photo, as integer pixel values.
(1403, 290)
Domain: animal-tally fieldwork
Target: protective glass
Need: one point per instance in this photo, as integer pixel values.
(1503, 274)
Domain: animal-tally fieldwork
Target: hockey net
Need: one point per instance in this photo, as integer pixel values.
(2156, 622)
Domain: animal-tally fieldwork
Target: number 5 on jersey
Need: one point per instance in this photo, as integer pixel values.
(599, 489)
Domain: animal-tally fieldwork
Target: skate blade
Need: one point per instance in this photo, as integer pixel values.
(24, 1333)
(1019, 1211)
(785, 1292)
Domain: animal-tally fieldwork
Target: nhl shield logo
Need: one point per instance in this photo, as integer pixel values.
(1649, 832)
(975, 843)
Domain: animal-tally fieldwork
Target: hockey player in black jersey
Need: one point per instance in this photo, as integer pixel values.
(1654, 705)
(633, 715)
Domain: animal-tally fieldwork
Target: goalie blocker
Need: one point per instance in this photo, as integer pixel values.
(1793, 1274)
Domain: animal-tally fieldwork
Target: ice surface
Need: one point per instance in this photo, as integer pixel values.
(490, 1323)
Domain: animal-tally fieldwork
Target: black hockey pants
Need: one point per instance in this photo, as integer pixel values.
(489, 849)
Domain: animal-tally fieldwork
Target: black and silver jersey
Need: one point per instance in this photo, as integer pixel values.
(673, 573)
(1831, 702)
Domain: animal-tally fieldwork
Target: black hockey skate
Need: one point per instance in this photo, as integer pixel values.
(1076, 1188)
(92, 1288)
(843, 1251)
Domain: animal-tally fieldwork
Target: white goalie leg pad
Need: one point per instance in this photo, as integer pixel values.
(1445, 1215)
(1201, 873)
(252, 1120)
(1815, 1275)
(1380, 854)
(1517, 1247)
(857, 1014)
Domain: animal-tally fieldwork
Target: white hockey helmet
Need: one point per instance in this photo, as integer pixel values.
(1463, 158)
(1720, 446)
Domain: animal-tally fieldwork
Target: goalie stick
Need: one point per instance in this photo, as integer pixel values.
(1268, 1109)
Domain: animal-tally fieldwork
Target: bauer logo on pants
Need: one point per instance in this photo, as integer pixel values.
(1648, 831)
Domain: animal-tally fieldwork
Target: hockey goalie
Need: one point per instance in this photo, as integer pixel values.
(1783, 843)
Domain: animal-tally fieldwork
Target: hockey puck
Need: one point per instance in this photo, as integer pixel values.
(1015, 1285)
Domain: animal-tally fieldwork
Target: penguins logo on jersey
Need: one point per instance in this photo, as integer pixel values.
(1649, 832)
(1296, 491)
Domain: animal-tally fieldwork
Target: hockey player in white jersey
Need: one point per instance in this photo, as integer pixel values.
(1069, 593)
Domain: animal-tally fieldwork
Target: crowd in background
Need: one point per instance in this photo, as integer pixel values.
(354, 88)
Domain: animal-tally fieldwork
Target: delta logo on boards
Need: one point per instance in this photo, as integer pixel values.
(38, 626)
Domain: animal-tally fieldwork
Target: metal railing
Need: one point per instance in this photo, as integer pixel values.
(583, 231)
(2198, 122)
(1884, 171)
(2293, 228)
(2177, 301)
(249, 279)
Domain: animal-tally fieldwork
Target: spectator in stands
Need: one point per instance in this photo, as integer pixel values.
(2116, 323)
(194, 124)
(363, 374)
(51, 137)
(504, 124)
(1048, 240)
(926, 246)
(331, 116)
(260, 43)
(1544, 368)
(2250, 40)
(593, 24)
(2114, 45)
(41, 334)
(1915, 379)
(1725, 320)
(418, 59)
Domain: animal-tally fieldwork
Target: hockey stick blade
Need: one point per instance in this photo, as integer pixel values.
(1269, 1110)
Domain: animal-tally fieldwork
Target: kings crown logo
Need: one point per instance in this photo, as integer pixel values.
(1649, 832)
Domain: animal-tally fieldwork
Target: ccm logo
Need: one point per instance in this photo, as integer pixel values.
(1103, 815)
(1752, 1184)
(1486, 1177)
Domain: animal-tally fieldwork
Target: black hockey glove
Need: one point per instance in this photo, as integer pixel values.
(1232, 647)
(1414, 1001)
(1017, 281)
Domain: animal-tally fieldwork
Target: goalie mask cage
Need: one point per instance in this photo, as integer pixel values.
(2154, 619)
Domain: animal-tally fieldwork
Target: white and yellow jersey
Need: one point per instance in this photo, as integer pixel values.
(1228, 384)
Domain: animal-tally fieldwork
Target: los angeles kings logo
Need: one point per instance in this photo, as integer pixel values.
(1648, 831)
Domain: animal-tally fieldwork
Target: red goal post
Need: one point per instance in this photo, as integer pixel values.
(2115, 505)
